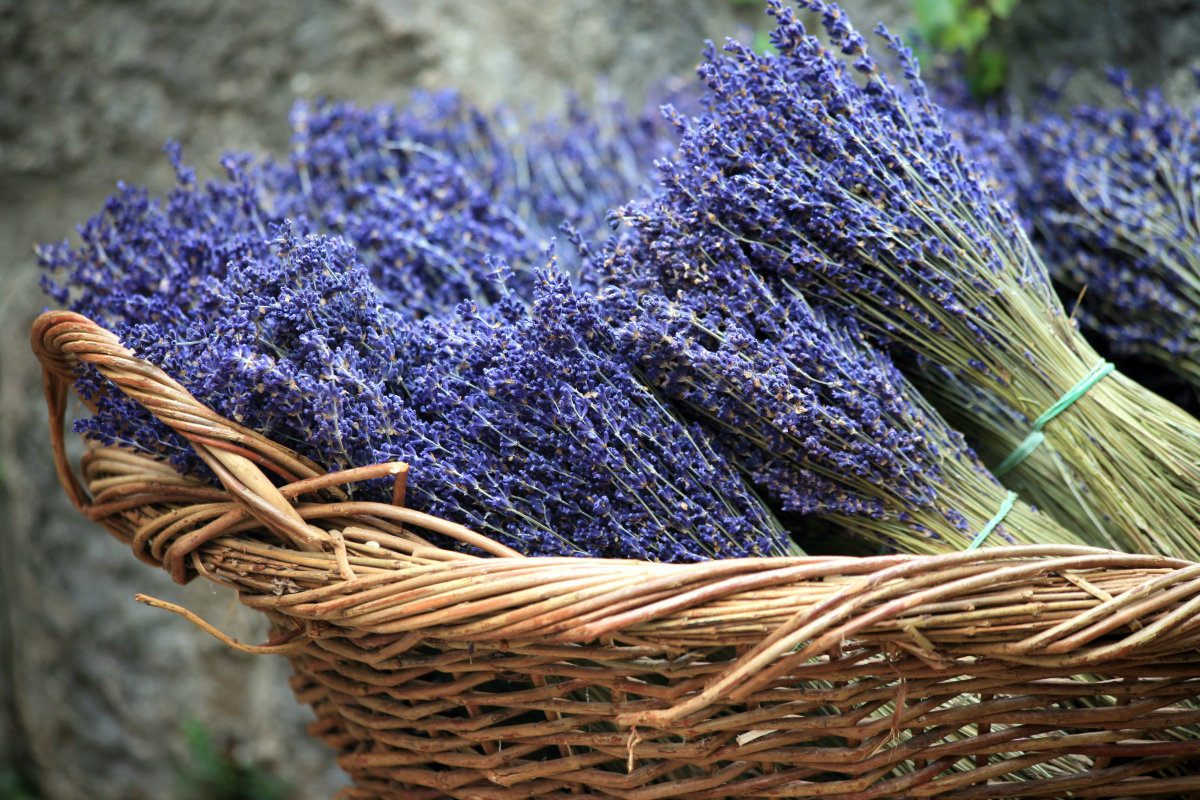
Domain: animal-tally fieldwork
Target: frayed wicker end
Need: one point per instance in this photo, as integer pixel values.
(1038, 671)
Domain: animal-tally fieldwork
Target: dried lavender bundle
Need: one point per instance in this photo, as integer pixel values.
(1113, 197)
(815, 414)
(987, 136)
(395, 183)
(431, 191)
(837, 184)
(523, 424)
(537, 408)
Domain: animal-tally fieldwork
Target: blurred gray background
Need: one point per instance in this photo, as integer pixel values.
(94, 688)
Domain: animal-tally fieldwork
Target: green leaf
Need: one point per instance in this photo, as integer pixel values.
(1002, 9)
(213, 775)
(13, 788)
(989, 72)
(934, 17)
(973, 28)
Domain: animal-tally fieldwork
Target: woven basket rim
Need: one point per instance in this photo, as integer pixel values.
(242, 458)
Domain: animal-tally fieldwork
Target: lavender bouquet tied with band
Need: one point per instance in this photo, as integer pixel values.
(837, 184)
(818, 416)
(1107, 196)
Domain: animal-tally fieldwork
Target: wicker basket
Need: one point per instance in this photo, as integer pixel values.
(1007, 672)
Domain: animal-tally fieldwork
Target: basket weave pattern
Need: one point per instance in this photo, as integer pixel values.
(1033, 671)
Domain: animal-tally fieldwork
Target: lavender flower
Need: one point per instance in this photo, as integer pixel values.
(1112, 195)
(433, 195)
(433, 192)
(536, 412)
(835, 183)
(815, 415)
(395, 183)
(522, 423)
(144, 260)
(293, 343)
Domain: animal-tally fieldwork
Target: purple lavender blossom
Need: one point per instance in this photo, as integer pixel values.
(411, 189)
(433, 196)
(535, 411)
(433, 192)
(143, 260)
(819, 418)
(1111, 192)
(150, 271)
(520, 422)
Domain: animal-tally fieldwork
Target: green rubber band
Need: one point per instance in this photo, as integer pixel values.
(1005, 507)
(1036, 436)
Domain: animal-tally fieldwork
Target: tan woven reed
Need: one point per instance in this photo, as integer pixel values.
(1001, 673)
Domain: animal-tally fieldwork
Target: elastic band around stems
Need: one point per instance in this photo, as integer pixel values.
(1036, 436)
(1005, 507)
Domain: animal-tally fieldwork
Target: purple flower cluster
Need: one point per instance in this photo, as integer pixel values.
(792, 388)
(816, 415)
(519, 420)
(433, 195)
(434, 192)
(834, 181)
(144, 260)
(535, 411)
(1111, 193)
(289, 339)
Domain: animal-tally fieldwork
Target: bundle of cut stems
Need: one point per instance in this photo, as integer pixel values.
(852, 191)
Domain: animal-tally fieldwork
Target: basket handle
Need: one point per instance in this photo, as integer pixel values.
(62, 340)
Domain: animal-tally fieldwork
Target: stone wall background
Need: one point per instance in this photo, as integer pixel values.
(94, 688)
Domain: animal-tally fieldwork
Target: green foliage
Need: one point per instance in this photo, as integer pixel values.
(212, 774)
(12, 787)
(762, 42)
(962, 27)
(762, 39)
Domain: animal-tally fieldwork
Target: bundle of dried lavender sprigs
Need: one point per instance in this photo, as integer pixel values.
(818, 417)
(519, 420)
(839, 186)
